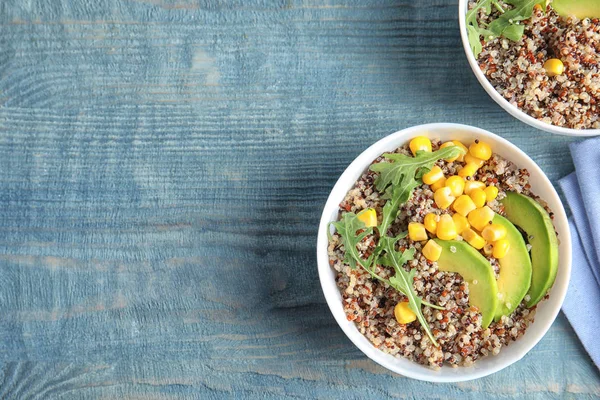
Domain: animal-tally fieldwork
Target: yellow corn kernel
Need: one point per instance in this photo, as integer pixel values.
(460, 222)
(463, 205)
(443, 197)
(448, 144)
(438, 184)
(462, 146)
(500, 248)
(432, 251)
(446, 230)
(403, 313)
(468, 170)
(434, 175)
(473, 238)
(456, 185)
(416, 231)
(472, 184)
(554, 67)
(491, 192)
(478, 196)
(480, 217)
(480, 150)
(473, 160)
(493, 232)
(368, 216)
(488, 249)
(430, 222)
(420, 143)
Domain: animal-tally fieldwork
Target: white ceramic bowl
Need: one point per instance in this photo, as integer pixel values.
(514, 111)
(547, 310)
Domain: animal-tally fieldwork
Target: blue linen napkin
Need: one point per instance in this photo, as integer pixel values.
(582, 191)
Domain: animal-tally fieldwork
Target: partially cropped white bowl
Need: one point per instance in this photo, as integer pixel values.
(511, 109)
(547, 310)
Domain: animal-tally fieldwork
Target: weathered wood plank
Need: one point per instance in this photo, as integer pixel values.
(163, 168)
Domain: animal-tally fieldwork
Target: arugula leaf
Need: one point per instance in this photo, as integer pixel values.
(474, 30)
(347, 228)
(474, 41)
(400, 195)
(506, 25)
(403, 280)
(401, 172)
(396, 181)
(388, 243)
(514, 32)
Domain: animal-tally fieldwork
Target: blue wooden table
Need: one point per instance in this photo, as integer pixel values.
(163, 165)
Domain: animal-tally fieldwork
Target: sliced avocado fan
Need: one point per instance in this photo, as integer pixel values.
(530, 216)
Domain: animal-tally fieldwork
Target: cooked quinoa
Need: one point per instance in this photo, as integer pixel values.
(370, 303)
(516, 69)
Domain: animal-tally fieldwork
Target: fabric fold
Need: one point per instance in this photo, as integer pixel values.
(583, 300)
(582, 192)
(586, 157)
(570, 187)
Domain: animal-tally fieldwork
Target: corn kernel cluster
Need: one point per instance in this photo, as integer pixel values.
(472, 218)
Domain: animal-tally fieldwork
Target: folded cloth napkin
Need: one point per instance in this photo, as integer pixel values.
(582, 191)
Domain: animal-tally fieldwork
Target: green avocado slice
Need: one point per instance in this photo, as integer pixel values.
(578, 8)
(514, 278)
(530, 216)
(474, 269)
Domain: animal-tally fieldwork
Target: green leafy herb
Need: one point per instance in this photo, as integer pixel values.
(400, 195)
(506, 25)
(476, 31)
(403, 280)
(402, 172)
(397, 179)
(347, 228)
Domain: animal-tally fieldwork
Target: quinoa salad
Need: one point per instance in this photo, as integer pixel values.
(552, 71)
(441, 314)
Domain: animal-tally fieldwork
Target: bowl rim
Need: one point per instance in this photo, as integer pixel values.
(502, 102)
(332, 296)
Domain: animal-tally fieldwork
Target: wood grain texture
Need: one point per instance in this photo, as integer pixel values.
(163, 165)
